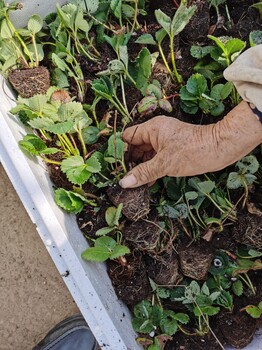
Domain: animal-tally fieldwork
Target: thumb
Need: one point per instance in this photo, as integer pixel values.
(144, 173)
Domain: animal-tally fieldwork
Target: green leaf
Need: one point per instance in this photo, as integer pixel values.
(191, 195)
(237, 288)
(141, 69)
(6, 32)
(106, 242)
(104, 231)
(32, 144)
(234, 46)
(206, 310)
(116, 7)
(97, 254)
(60, 128)
(92, 164)
(182, 318)
(253, 311)
(168, 323)
(90, 134)
(249, 179)
(225, 299)
(128, 11)
(206, 186)
(227, 89)
(89, 5)
(146, 39)
(110, 216)
(119, 250)
(196, 84)
(75, 169)
(234, 181)
(35, 24)
(200, 52)
(70, 201)
(116, 146)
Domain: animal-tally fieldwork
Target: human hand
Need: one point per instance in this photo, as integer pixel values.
(174, 148)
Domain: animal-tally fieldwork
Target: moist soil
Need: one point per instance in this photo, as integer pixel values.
(166, 257)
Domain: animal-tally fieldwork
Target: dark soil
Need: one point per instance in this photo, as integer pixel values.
(153, 254)
(31, 81)
(195, 260)
(135, 201)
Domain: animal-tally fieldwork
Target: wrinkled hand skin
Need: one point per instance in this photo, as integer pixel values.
(167, 146)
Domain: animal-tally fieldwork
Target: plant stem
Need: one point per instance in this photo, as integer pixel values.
(165, 61)
(80, 137)
(172, 53)
(10, 24)
(46, 160)
(36, 52)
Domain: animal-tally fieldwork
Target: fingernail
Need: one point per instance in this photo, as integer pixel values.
(128, 181)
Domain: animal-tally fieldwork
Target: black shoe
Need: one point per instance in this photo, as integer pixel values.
(72, 333)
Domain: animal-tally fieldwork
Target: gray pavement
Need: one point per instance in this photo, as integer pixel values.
(33, 296)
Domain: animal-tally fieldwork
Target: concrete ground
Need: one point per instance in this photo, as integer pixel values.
(33, 296)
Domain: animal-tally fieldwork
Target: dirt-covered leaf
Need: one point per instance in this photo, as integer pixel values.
(182, 17)
(163, 20)
(165, 105)
(248, 164)
(255, 38)
(234, 181)
(200, 52)
(147, 105)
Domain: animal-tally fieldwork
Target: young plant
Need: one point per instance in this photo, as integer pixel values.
(244, 177)
(170, 28)
(216, 4)
(60, 119)
(105, 248)
(68, 66)
(114, 155)
(195, 94)
(154, 99)
(173, 27)
(71, 25)
(19, 47)
(105, 88)
(201, 302)
(112, 216)
(35, 146)
(153, 320)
